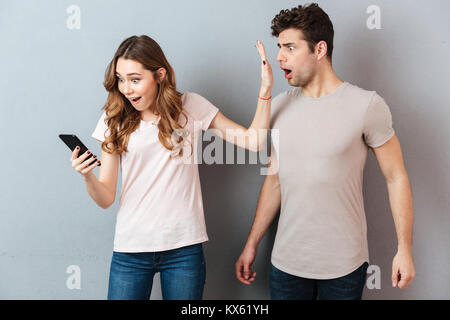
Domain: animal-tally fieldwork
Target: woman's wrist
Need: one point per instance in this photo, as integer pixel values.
(88, 177)
(265, 92)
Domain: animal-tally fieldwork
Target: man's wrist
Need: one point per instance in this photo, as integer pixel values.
(404, 247)
(252, 244)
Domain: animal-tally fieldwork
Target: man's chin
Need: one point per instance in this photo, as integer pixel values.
(293, 83)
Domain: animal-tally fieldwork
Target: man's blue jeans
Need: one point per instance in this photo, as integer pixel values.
(284, 286)
(183, 273)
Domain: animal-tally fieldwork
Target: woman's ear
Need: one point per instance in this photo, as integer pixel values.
(161, 74)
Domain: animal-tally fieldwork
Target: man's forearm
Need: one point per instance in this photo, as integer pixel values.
(268, 205)
(400, 198)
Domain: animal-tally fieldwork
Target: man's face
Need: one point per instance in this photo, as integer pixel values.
(295, 57)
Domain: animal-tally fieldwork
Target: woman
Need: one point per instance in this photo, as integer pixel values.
(152, 128)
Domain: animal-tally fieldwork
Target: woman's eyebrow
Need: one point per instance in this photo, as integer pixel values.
(130, 74)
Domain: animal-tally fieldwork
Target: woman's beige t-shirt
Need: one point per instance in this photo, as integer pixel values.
(322, 151)
(161, 205)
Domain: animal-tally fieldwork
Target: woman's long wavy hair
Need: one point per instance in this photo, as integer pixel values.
(121, 117)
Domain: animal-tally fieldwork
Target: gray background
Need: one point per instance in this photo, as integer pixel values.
(51, 83)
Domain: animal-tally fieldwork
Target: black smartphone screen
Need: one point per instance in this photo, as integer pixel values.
(72, 141)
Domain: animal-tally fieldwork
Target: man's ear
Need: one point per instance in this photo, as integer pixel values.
(321, 50)
(161, 73)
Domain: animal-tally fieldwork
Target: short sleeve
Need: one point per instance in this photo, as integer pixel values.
(377, 122)
(199, 109)
(101, 130)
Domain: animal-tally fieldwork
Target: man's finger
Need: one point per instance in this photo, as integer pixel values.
(237, 268)
(405, 280)
(239, 271)
(395, 277)
(247, 271)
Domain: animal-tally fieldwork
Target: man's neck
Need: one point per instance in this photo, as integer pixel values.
(324, 83)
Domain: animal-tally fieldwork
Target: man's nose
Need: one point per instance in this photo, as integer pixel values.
(280, 56)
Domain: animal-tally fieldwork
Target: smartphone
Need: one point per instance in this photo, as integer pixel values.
(72, 142)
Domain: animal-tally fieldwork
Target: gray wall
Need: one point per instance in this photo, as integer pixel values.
(51, 83)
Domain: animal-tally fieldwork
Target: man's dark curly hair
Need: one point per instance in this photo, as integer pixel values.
(314, 23)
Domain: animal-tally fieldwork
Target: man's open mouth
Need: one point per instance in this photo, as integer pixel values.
(287, 72)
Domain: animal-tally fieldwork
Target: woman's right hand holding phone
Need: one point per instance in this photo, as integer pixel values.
(83, 165)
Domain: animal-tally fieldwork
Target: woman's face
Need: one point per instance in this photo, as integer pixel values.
(137, 84)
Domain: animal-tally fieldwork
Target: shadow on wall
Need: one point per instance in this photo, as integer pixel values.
(230, 194)
(416, 128)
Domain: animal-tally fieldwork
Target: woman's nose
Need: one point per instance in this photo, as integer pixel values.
(126, 88)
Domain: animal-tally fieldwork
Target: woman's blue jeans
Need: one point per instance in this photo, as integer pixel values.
(182, 273)
(284, 286)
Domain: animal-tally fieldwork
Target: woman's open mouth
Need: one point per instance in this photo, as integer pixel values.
(135, 100)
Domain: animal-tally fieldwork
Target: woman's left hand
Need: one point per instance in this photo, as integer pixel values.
(266, 69)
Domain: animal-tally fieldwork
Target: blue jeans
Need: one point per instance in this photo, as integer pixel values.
(284, 286)
(183, 273)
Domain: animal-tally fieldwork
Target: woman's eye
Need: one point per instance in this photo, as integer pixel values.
(135, 80)
(291, 48)
(120, 79)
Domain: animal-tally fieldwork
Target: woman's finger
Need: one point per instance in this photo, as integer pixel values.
(80, 159)
(92, 166)
(266, 69)
(85, 164)
(261, 50)
(75, 153)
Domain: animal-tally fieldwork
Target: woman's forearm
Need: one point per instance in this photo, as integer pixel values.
(258, 130)
(98, 191)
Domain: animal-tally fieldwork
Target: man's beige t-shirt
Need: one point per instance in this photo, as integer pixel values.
(321, 151)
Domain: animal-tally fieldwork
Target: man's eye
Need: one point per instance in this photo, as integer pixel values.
(291, 48)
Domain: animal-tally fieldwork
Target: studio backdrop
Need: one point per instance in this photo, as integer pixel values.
(56, 243)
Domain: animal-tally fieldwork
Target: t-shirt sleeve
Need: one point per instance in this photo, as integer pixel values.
(200, 109)
(377, 122)
(101, 130)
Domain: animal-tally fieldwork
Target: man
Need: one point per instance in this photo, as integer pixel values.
(326, 127)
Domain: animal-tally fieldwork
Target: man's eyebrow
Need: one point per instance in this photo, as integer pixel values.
(285, 44)
(130, 74)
